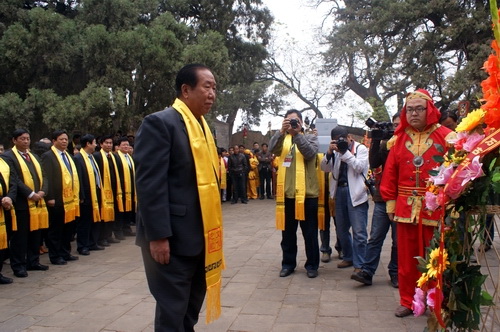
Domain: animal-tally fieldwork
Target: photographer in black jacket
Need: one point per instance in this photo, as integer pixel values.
(380, 220)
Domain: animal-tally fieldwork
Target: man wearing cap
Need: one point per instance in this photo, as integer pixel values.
(347, 162)
(414, 144)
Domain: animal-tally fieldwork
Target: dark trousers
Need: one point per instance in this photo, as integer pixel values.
(229, 187)
(87, 231)
(122, 222)
(179, 289)
(106, 230)
(24, 244)
(239, 188)
(265, 175)
(309, 229)
(59, 234)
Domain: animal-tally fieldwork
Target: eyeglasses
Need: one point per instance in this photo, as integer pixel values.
(418, 109)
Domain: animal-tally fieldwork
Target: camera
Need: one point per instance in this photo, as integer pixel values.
(370, 184)
(294, 123)
(342, 144)
(380, 130)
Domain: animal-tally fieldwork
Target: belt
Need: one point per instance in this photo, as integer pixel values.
(342, 184)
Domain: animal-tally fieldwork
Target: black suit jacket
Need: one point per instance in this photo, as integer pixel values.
(53, 177)
(83, 176)
(112, 173)
(169, 205)
(23, 191)
(121, 174)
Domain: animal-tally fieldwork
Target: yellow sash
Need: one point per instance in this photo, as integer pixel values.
(300, 184)
(222, 174)
(207, 165)
(96, 216)
(70, 187)
(39, 216)
(127, 176)
(5, 171)
(321, 196)
(107, 204)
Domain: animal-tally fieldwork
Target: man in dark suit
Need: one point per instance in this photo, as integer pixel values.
(126, 171)
(25, 241)
(170, 225)
(61, 222)
(8, 193)
(88, 226)
(106, 154)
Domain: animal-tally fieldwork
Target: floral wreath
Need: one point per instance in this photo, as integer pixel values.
(461, 188)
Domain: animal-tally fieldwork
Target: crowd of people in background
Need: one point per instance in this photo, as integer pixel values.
(59, 191)
(247, 174)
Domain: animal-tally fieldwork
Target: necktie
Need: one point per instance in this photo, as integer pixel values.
(128, 161)
(66, 161)
(26, 156)
(96, 173)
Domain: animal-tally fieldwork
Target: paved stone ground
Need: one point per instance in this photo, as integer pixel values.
(107, 291)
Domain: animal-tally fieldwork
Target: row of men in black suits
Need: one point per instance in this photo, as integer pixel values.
(71, 191)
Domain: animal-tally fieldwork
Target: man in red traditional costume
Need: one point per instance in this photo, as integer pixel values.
(416, 140)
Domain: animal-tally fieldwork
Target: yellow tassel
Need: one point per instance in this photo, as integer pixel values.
(14, 219)
(213, 302)
(3, 239)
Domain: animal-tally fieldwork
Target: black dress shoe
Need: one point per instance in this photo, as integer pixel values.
(71, 258)
(394, 281)
(113, 240)
(120, 237)
(21, 274)
(285, 272)
(312, 273)
(269, 197)
(96, 247)
(261, 197)
(5, 280)
(129, 233)
(59, 261)
(84, 252)
(104, 243)
(38, 267)
(362, 277)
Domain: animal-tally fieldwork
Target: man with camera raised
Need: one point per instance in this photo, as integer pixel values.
(347, 162)
(380, 132)
(297, 192)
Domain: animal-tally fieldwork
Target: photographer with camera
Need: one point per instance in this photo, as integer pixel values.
(380, 132)
(297, 192)
(347, 162)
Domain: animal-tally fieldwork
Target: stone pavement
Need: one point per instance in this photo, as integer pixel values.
(107, 291)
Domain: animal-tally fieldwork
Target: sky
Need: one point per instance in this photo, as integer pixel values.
(295, 18)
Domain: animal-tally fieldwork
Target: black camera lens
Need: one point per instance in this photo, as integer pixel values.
(294, 123)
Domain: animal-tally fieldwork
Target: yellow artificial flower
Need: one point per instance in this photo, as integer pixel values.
(422, 280)
(471, 121)
(434, 268)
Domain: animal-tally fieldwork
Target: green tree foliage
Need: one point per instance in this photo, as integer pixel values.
(384, 48)
(100, 66)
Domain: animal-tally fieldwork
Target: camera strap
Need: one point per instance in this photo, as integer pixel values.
(287, 162)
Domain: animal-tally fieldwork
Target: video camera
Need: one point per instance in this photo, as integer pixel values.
(380, 130)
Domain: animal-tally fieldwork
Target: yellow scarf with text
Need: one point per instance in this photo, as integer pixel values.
(5, 171)
(300, 187)
(207, 167)
(96, 216)
(128, 176)
(70, 187)
(300, 183)
(39, 216)
(108, 200)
